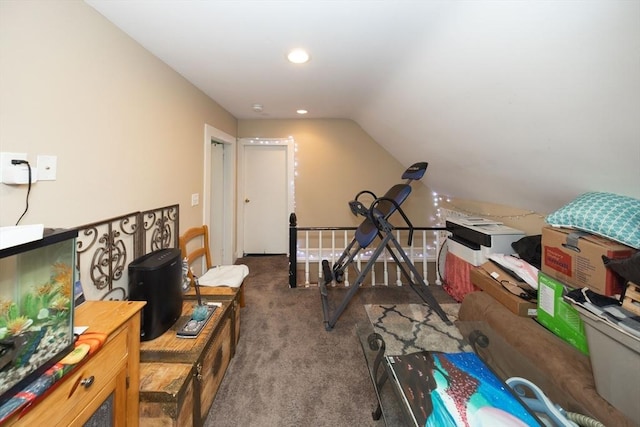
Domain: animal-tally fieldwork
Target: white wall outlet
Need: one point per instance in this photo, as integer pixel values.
(47, 167)
(15, 174)
(195, 199)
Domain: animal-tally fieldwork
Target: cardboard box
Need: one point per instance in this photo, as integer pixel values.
(578, 262)
(481, 278)
(557, 315)
(615, 358)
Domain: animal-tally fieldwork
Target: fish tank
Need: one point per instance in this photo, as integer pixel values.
(36, 307)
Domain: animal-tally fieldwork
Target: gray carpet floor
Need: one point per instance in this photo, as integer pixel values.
(288, 370)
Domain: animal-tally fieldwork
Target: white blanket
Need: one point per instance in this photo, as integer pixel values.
(225, 275)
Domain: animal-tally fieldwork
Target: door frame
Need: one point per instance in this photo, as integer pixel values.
(213, 134)
(289, 143)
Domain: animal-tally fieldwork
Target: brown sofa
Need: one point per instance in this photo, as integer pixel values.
(560, 370)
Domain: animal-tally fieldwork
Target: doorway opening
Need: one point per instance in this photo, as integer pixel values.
(218, 193)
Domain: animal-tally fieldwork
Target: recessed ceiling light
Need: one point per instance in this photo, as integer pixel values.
(298, 56)
(301, 111)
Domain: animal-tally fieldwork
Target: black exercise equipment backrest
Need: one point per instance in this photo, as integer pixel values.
(386, 205)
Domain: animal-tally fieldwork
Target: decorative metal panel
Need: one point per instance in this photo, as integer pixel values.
(160, 228)
(106, 248)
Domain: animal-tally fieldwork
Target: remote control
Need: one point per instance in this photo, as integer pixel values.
(192, 327)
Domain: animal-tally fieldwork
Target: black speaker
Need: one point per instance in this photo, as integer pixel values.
(156, 278)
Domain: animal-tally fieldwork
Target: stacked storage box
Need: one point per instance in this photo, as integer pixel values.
(598, 225)
(573, 259)
(615, 360)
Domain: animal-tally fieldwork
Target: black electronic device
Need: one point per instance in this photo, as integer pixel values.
(156, 278)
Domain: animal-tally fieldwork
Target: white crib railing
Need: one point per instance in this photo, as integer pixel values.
(311, 245)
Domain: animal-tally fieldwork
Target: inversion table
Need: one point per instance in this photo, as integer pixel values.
(376, 224)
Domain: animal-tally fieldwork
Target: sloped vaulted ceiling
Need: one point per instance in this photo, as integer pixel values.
(522, 103)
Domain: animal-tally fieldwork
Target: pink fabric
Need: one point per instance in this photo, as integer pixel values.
(457, 277)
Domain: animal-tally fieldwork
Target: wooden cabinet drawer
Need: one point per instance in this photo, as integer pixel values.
(116, 387)
(61, 406)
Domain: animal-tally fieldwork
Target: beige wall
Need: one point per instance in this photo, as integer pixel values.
(127, 130)
(335, 160)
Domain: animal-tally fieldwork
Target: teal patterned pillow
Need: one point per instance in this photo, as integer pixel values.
(609, 215)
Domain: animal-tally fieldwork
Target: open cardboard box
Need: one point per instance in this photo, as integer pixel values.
(578, 261)
(481, 277)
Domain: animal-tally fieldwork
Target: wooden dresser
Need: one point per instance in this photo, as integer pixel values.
(107, 382)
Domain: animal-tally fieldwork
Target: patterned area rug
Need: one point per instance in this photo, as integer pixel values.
(407, 328)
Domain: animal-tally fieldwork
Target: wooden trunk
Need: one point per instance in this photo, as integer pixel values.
(210, 372)
(166, 394)
(223, 293)
(181, 376)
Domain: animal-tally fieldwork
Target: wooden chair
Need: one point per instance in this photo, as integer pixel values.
(199, 236)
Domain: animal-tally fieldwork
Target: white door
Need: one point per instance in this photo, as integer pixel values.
(217, 221)
(266, 203)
